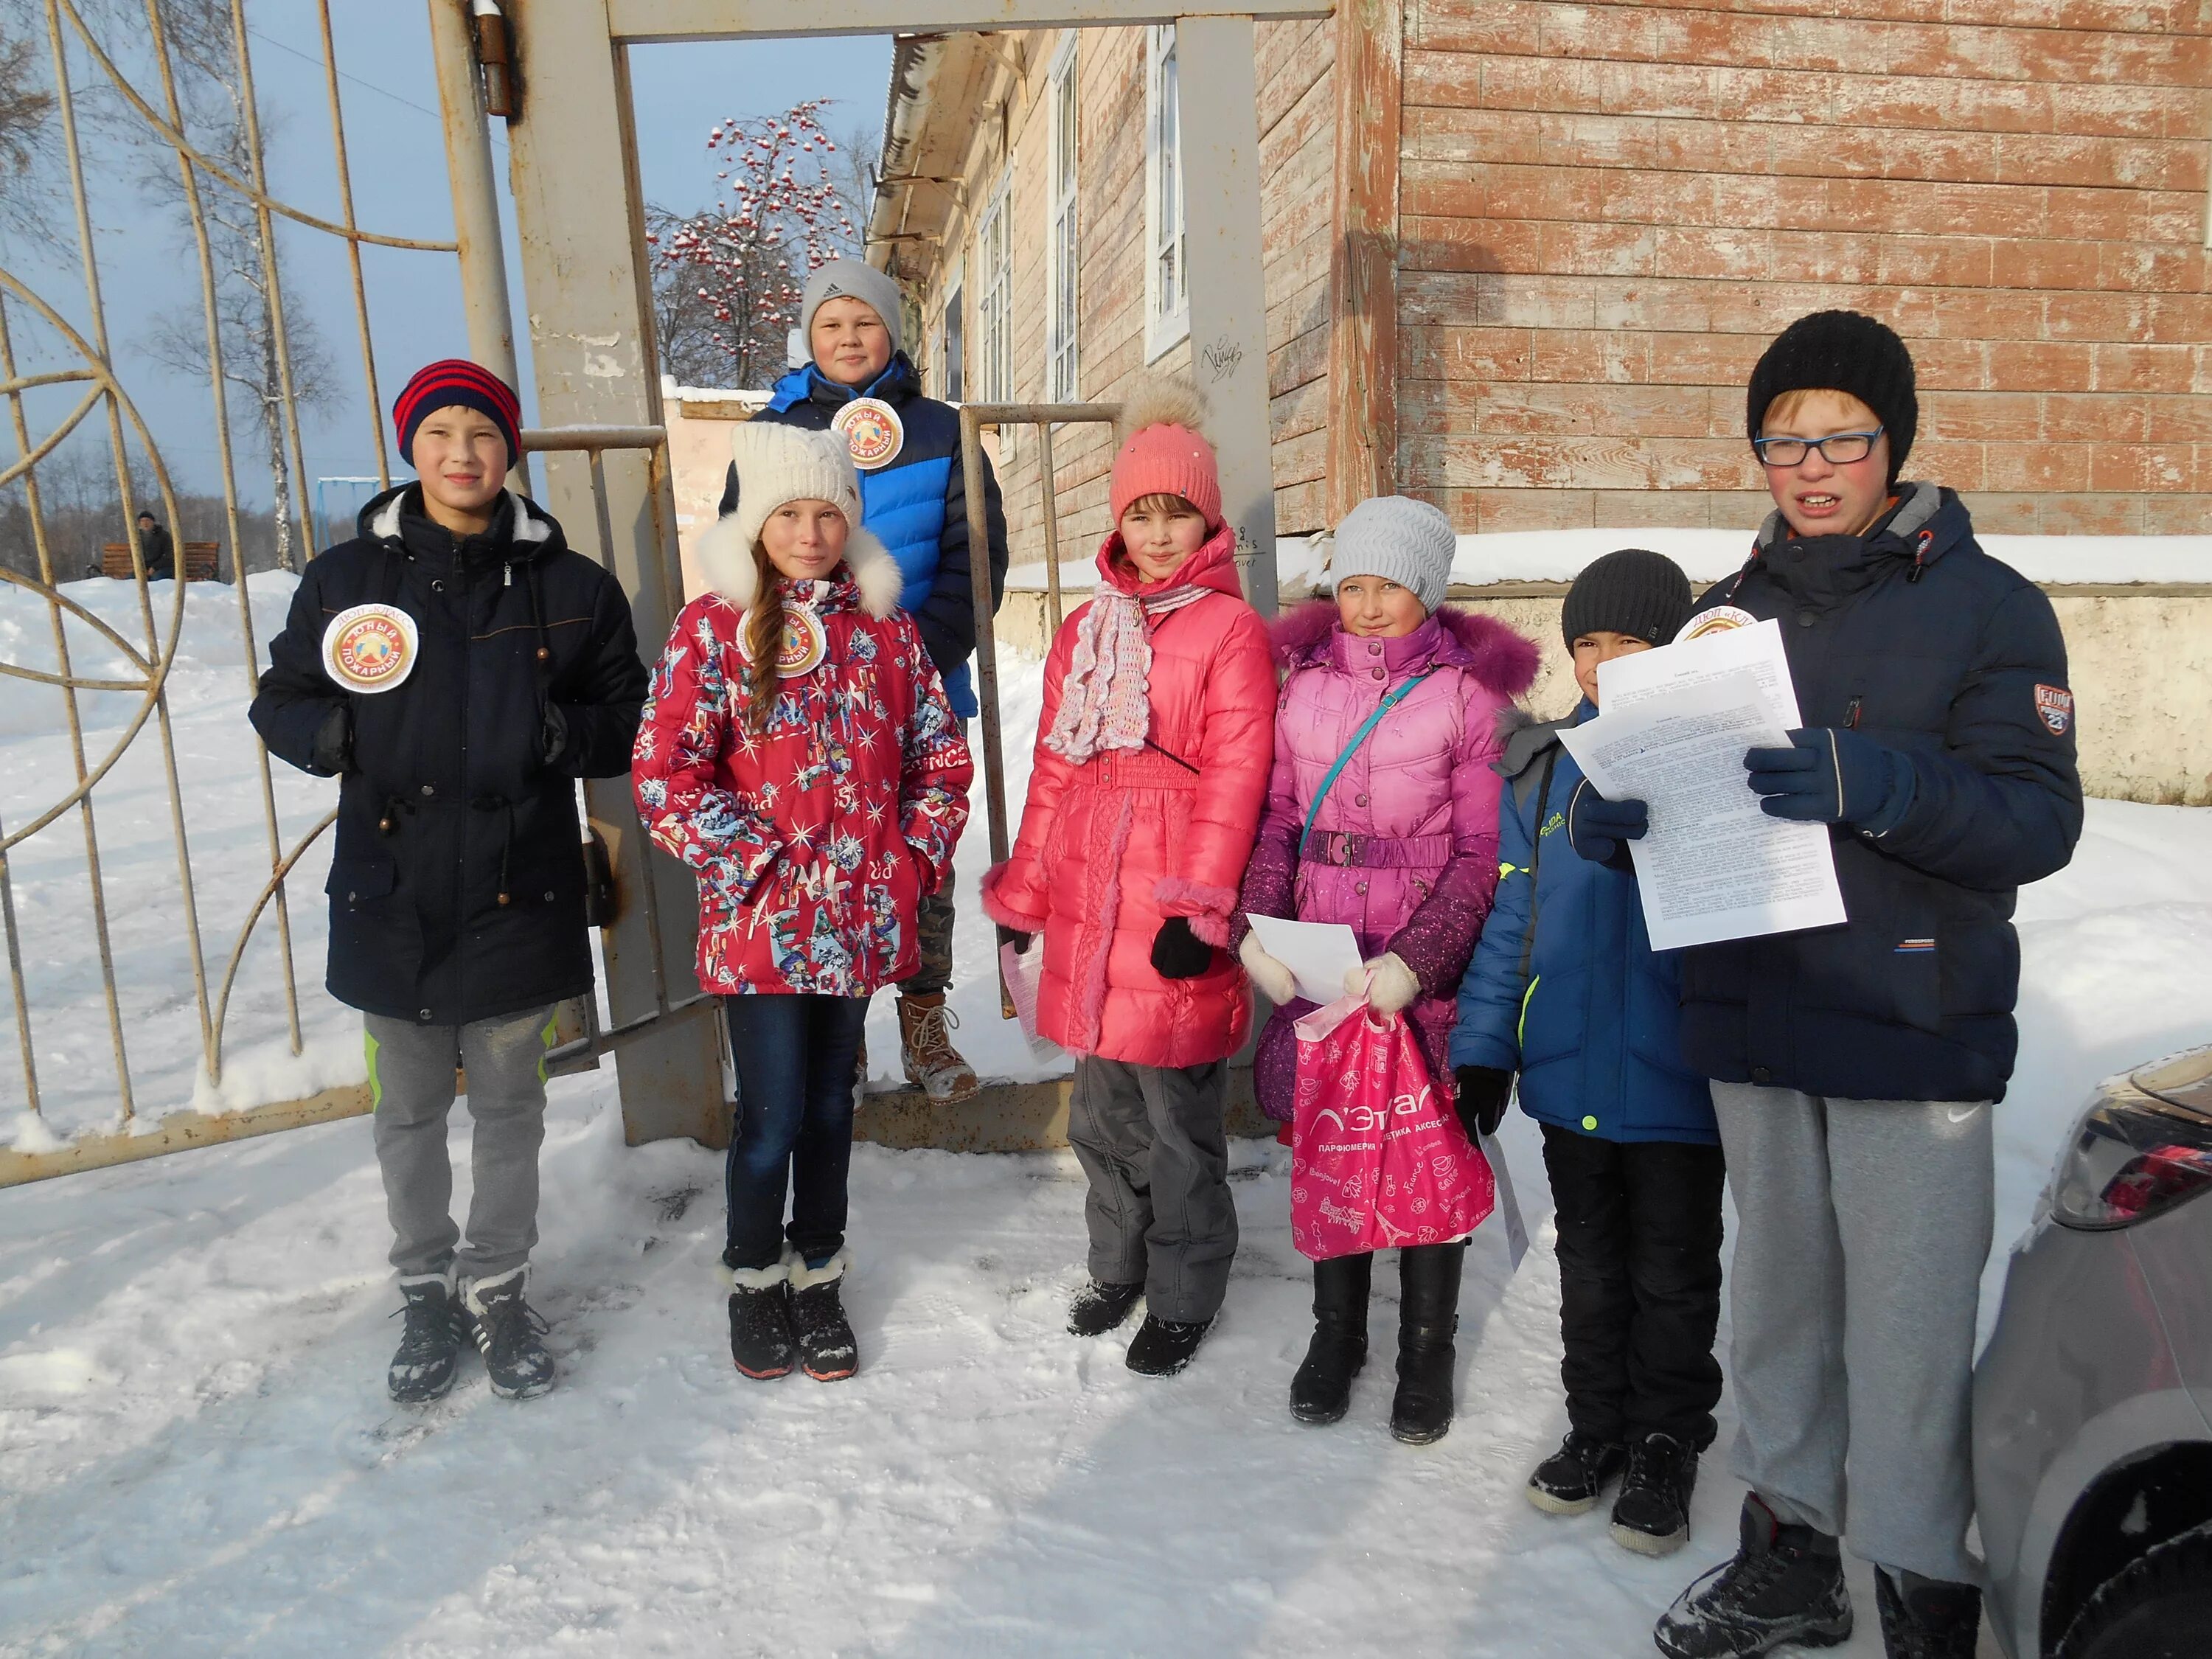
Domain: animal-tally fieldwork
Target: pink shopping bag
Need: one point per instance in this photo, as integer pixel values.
(1378, 1159)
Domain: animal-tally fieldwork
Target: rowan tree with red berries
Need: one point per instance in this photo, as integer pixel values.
(727, 279)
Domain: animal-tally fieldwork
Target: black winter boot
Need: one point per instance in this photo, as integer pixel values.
(1569, 1480)
(430, 1343)
(508, 1334)
(1652, 1514)
(1785, 1583)
(760, 1341)
(1098, 1307)
(1428, 1319)
(827, 1351)
(1321, 1390)
(1162, 1346)
(1927, 1618)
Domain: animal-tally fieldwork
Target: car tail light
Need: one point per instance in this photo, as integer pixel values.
(2138, 1151)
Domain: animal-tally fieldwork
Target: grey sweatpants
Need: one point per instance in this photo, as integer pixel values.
(1151, 1139)
(411, 1080)
(1865, 1224)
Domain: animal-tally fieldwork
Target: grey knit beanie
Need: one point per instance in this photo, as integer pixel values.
(1399, 539)
(852, 279)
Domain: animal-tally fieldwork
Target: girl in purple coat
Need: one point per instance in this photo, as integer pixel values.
(1404, 850)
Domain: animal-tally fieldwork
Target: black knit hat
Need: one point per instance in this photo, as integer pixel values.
(1841, 352)
(1633, 592)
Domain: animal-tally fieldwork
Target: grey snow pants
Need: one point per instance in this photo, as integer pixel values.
(1864, 1227)
(411, 1080)
(1151, 1139)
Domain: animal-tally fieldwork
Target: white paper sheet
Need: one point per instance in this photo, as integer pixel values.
(1628, 680)
(1714, 866)
(1509, 1206)
(1318, 954)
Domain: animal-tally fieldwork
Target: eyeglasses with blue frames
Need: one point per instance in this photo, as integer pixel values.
(1838, 448)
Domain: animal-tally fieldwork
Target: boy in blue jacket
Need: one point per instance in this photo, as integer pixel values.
(1565, 989)
(1856, 1068)
(914, 499)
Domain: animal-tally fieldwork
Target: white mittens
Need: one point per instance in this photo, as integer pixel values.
(1275, 981)
(1388, 984)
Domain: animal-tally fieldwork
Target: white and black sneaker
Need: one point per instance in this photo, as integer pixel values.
(1652, 1516)
(1573, 1479)
(826, 1350)
(429, 1354)
(1784, 1584)
(508, 1334)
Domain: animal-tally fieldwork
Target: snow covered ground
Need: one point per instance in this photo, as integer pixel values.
(197, 1456)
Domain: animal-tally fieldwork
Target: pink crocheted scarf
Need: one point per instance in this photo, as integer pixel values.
(1104, 700)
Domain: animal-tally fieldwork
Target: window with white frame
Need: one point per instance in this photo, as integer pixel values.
(1061, 315)
(1167, 283)
(951, 356)
(995, 332)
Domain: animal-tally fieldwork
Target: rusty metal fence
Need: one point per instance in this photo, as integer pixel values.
(213, 966)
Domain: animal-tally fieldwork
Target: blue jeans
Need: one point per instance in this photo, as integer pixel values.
(795, 1057)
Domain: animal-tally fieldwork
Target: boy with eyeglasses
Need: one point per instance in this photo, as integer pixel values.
(1855, 1066)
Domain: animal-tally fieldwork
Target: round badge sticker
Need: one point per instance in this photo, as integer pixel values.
(1721, 619)
(370, 647)
(804, 646)
(872, 431)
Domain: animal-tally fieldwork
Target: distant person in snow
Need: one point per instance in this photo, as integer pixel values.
(459, 667)
(914, 497)
(156, 549)
(800, 756)
(1856, 1067)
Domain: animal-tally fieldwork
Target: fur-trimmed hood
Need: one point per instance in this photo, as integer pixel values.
(1501, 659)
(726, 562)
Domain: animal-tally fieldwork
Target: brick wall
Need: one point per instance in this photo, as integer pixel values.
(1607, 210)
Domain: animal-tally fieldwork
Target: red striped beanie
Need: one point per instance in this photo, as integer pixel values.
(455, 381)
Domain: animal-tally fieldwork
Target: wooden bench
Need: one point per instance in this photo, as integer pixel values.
(201, 560)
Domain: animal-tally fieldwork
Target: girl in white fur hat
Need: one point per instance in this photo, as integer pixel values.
(798, 752)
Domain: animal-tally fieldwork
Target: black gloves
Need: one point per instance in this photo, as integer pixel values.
(555, 734)
(1831, 775)
(1601, 829)
(1019, 941)
(1483, 1092)
(1178, 953)
(332, 756)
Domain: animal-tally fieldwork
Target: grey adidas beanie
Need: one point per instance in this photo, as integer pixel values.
(854, 279)
(1400, 539)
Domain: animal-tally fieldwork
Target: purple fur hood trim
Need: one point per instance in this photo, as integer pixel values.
(1504, 662)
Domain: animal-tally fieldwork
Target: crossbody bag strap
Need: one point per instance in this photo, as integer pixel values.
(1351, 748)
(1536, 861)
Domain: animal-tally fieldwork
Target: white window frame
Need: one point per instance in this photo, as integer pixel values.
(1062, 258)
(951, 366)
(1167, 304)
(993, 331)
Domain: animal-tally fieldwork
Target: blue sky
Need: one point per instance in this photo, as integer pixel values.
(398, 172)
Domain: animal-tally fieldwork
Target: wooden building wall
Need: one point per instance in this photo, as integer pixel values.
(1295, 126)
(1607, 209)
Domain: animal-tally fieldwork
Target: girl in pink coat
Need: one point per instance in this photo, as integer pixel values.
(1151, 760)
(1403, 848)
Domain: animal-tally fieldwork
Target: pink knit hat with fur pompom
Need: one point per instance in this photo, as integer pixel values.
(1164, 451)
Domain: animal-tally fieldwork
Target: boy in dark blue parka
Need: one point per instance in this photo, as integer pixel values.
(914, 501)
(1856, 1068)
(1565, 989)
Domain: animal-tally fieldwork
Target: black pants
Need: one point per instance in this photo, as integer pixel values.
(1639, 1283)
(795, 1055)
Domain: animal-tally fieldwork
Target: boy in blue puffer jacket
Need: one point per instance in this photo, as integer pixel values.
(914, 499)
(1565, 989)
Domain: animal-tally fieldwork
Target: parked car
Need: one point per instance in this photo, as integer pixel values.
(2093, 1402)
